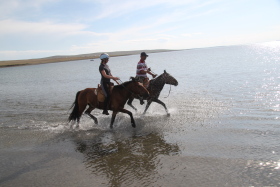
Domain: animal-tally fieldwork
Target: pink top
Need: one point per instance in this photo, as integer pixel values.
(141, 66)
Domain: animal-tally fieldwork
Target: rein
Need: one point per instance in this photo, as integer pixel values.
(169, 92)
(169, 84)
(165, 83)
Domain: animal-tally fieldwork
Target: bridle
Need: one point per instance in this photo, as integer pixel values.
(169, 84)
(164, 77)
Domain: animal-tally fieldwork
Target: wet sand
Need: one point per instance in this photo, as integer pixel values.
(40, 159)
(54, 59)
(88, 158)
(76, 159)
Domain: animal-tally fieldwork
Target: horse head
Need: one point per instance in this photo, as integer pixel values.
(138, 88)
(169, 79)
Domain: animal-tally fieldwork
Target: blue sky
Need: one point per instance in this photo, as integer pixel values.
(42, 28)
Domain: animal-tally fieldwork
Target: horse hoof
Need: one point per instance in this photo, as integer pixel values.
(133, 125)
(168, 114)
(111, 126)
(96, 122)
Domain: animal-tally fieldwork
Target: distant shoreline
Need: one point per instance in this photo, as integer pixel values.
(55, 59)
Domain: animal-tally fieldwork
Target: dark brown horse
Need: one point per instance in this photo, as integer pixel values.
(154, 88)
(119, 96)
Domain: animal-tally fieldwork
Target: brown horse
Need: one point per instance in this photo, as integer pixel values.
(119, 96)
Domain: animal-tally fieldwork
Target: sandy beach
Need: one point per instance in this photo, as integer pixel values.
(37, 158)
(9, 63)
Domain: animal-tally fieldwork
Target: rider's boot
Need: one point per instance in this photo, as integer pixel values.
(105, 110)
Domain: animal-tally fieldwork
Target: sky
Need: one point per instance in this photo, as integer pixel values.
(42, 28)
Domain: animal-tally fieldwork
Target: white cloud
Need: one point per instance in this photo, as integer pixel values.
(12, 7)
(191, 34)
(158, 42)
(42, 28)
(118, 8)
(173, 25)
(14, 26)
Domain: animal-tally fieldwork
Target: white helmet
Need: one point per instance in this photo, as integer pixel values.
(103, 56)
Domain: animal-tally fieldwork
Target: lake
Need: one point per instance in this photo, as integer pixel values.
(224, 127)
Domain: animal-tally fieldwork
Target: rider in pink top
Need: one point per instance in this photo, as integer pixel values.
(142, 68)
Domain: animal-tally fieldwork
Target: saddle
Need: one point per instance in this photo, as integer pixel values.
(146, 82)
(99, 92)
(143, 80)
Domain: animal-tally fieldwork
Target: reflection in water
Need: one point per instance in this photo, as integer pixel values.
(125, 161)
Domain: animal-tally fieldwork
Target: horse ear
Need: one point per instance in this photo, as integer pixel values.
(132, 78)
(164, 71)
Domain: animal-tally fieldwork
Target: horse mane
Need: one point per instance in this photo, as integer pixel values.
(157, 78)
(123, 85)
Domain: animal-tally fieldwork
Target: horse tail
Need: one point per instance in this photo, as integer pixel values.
(75, 112)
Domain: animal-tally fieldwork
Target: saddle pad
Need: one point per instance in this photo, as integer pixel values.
(100, 95)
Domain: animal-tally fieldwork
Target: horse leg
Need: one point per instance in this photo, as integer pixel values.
(113, 118)
(131, 116)
(90, 115)
(141, 100)
(129, 102)
(160, 102)
(147, 106)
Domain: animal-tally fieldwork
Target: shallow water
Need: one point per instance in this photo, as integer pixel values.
(223, 129)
